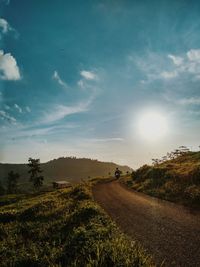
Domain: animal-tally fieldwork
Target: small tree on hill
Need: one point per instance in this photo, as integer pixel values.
(12, 181)
(2, 190)
(35, 171)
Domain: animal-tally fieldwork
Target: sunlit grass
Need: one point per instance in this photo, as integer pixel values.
(176, 180)
(63, 228)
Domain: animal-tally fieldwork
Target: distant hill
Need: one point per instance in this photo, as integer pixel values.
(176, 179)
(69, 168)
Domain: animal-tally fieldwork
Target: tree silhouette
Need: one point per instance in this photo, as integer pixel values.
(35, 177)
(12, 181)
(2, 190)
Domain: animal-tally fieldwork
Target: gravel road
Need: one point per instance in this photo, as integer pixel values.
(169, 232)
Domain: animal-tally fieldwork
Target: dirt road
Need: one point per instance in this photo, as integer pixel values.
(167, 231)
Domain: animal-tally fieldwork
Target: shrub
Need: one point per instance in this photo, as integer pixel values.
(192, 193)
(195, 175)
(80, 192)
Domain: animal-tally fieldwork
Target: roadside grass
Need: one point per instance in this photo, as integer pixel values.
(176, 180)
(63, 228)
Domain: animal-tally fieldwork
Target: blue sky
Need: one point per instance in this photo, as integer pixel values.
(76, 78)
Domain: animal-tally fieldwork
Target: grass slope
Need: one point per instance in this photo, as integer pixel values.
(177, 180)
(62, 228)
(69, 168)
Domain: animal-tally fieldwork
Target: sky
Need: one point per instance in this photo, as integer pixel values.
(77, 79)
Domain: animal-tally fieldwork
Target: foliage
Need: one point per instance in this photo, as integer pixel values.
(176, 179)
(2, 189)
(35, 170)
(70, 168)
(12, 181)
(63, 228)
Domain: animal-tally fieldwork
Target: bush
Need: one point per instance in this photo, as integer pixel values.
(80, 192)
(195, 175)
(192, 193)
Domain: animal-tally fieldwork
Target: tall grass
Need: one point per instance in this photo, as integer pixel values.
(63, 228)
(176, 180)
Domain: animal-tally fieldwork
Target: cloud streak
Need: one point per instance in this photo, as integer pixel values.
(4, 26)
(28, 109)
(190, 101)
(18, 108)
(157, 67)
(57, 78)
(61, 111)
(88, 75)
(6, 117)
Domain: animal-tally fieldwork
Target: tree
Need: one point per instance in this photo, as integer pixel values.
(35, 171)
(2, 190)
(12, 181)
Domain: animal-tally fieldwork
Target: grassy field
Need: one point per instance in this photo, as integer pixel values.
(177, 180)
(63, 228)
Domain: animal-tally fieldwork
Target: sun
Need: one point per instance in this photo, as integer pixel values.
(152, 126)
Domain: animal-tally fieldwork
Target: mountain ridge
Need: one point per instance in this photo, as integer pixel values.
(70, 168)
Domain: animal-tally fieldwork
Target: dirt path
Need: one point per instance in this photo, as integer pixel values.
(167, 231)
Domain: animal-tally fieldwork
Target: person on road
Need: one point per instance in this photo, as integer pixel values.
(117, 173)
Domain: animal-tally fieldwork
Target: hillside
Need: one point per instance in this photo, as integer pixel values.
(63, 228)
(176, 180)
(70, 168)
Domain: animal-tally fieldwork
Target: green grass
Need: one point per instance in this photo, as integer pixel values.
(63, 228)
(176, 180)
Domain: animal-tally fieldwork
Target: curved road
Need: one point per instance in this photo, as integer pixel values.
(169, 232)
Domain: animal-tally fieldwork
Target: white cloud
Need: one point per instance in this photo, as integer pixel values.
(28, 109)
(176, 60)
(61, 111)
(4, 25)
(190, 101)
(168, 74)
(59, 80)
(88, 75)
(81, 83)
(5, 116)
(9, 69)
(194, 55)
(189, 64)
(156, 67)
(19, 109)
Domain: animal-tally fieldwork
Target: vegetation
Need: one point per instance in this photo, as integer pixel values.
(69, 168)
(175, 178)
(2, 189)
(35, 170)
(12, 182)
(62, 228)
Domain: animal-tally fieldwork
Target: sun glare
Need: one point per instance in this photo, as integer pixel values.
(152, 126)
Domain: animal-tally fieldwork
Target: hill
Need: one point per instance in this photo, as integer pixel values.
(176, 179)
(63, 228)
(70, 168)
